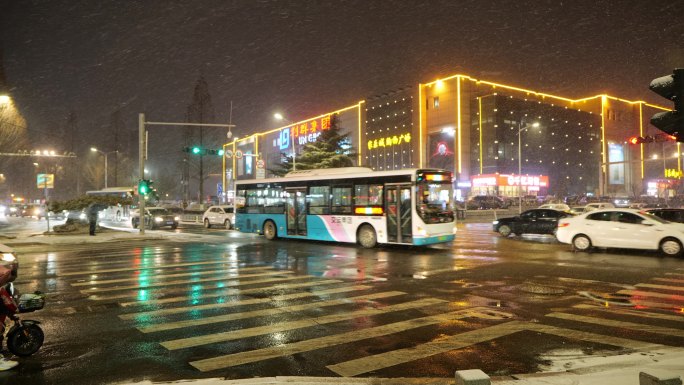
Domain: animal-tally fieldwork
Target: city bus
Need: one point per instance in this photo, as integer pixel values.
(350, 204)
(117, 212)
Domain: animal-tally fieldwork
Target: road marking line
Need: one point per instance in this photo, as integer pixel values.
(677, 274)
(619, 324)
(235, 359)
(156, 276)
(252, 301)
(673, 280)
(181, 282)
(637, 313)
(661, 287)
(673, 297)
(264, 312)
(90, 272)
(459, 341)
(299, 324)
(138, 301)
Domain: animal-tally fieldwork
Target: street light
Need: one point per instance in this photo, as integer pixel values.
(521, 128)
(93, 149)
(278, 116)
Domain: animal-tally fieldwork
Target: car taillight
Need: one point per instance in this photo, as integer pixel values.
(563, 224)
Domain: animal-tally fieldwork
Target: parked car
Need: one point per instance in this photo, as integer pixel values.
(578, 210)
(31, 210)
(672, 215)
(155, 217)
(483, 202)
(221, 215)
(622, 201)
(534, 221)
(8, 259)
(621, 228)
(555, 206)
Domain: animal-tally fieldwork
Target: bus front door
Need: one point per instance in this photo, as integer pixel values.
(296, 211)
(398, 213)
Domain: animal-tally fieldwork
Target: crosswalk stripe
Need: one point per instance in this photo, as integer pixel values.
(458, 341)
(155, 267)
(286, 326)
(136, 300)
(641, 293)
(673, 280)
(229, 360)
(637, 313)
(286, 297)
(175, 275)
(264, 312)
(619, 324)
(180, 282)
(660, 287)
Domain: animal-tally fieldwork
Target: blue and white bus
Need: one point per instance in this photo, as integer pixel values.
(119, 212)
(351, 204)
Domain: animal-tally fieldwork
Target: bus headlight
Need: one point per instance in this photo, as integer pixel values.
(421, 231)
(454, 230)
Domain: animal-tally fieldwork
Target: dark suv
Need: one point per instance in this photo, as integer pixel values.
(672, 215)
(483, 202)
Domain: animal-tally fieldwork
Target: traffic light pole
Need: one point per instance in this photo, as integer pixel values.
(142, 154)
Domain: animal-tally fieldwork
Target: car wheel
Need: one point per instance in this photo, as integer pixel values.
(504, 230)
(670, 247)
(270, 231)
(227, 224)
(581, 243)
(174, 226)
(207, 225)
(367, 237)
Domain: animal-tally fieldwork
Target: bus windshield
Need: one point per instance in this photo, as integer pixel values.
(433, 202)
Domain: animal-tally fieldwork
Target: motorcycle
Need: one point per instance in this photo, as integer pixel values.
(25, 337)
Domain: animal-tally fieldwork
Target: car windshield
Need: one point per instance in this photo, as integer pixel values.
(158, 211)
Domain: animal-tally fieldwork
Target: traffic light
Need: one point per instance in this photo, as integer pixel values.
(144, 186)
(670, 87)
(196, 150)
(215, 152)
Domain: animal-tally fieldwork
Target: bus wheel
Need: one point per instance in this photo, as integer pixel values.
(367, 237)
(270, 231)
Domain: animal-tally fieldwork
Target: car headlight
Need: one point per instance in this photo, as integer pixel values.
(176, 219)
(8, 257)
(82, 216)
(13, 209)
(495, 222)
(158, 219)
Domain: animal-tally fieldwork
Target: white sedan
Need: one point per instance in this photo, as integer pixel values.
(621, 228)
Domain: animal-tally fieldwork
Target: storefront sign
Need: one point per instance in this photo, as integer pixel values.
(511, 180)
(389, 141)
(303, 133)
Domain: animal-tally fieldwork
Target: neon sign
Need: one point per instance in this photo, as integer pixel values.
(389, 141)
(304, 132)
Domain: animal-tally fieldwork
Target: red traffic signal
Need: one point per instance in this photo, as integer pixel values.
(635, 140)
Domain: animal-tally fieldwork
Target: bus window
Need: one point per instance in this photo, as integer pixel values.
(368, 195)
(318, 200)
(341, 200)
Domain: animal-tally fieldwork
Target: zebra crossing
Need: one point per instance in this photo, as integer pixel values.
(185, 305)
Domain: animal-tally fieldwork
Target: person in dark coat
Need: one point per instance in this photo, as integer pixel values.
(92, 214)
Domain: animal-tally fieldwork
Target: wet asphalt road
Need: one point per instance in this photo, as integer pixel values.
(234, 305)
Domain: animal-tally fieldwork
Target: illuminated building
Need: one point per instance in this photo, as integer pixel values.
(474, 127)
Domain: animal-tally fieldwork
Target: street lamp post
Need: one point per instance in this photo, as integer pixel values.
(93, 149)
(280, 117)
(521, 128)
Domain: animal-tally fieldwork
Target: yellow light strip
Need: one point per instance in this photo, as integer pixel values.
(603, 145)
(458, 123)
(479, 118)
(420, 125)
(223, 161)
(641, 133)
(368, 210)
(537, 93)
(358, 153)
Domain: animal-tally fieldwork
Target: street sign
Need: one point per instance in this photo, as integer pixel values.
(260, 173)
(228, 154)
(260, 163)
(238, 154)
(45, 181)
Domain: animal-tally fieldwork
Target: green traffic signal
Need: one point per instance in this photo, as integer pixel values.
(196, 150)
(220, 152)
(144, 187)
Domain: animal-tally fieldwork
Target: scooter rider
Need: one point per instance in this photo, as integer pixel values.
(8, 307)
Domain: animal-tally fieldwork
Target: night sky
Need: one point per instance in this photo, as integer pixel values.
(304, 58)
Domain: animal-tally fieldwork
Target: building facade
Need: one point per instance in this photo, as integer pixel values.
(497, 139)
